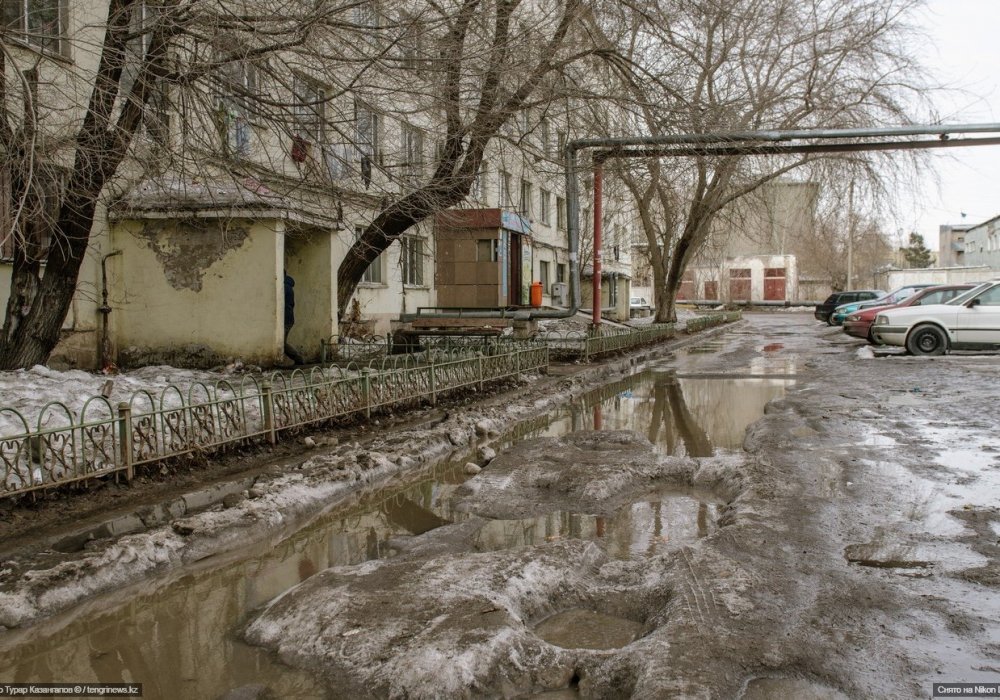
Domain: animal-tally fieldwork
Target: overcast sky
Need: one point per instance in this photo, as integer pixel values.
(966, 55)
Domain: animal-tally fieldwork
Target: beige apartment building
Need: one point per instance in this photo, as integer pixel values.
(217, 201)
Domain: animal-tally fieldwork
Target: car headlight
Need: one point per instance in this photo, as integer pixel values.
(855, 317)
(881, 320)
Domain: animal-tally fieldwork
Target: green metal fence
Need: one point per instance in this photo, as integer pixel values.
(105, 439)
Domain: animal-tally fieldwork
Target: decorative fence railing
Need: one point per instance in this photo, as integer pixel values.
(700, 323)
(584, 345)
(105, 439)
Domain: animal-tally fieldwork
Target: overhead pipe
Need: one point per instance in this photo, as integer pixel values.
(730, 143)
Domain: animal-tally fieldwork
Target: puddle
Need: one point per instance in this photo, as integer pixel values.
(642, 529)
(178, 636)
(687, 416)
(579, 628)
(878, 440)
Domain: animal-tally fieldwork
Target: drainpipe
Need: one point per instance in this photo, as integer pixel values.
(105, 310)
(598, 222)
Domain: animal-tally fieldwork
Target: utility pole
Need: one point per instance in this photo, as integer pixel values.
(850, 236)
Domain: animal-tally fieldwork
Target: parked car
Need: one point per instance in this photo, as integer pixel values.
(859, 323)
(894, 297)
(970, 321)
(823, 311)
(638, 306)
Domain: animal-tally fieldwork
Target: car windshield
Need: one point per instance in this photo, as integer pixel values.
(962, 298)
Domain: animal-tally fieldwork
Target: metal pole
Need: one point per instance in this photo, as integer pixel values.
(598, 216)
(850, 237)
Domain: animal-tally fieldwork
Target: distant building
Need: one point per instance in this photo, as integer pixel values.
(951, 245)
(982, 244)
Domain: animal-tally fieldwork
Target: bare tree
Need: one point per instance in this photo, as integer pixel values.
(497, 59)
(74, 135)
(749, 65)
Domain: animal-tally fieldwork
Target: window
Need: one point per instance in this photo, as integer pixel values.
(560, 213)
(38, 216)
(990, 297)
(366, 14)
(366, 129)
(524, 205)
(410, 45)
(505, 183)
(412, 260)
(478, 189)
(373, 274)
(544, 203)
(486, 250)
(543, 275)
(413, 153)
(237, 95)
(561, 272)
(545, 136)
(309, 112)
(41, 23)
(560, 145)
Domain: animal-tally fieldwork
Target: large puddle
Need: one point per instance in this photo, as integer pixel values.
(179, 636)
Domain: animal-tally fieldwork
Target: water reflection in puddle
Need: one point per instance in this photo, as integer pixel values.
(585, 629)
(178, 639)
(642, 529)
(690, 416)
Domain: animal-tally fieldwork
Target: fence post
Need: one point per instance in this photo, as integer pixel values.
(479, 361)
(434, 397)
(267, 410)
(366, 389)
(125, 438)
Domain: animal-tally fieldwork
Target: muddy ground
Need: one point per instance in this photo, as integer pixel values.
(853, 551)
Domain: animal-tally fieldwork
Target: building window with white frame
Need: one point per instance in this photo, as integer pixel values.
(373, 273)
(524, 204)
(40, 23)
(505, 185)
(412, 161)
(309, 113)
(560, 213)
(366, 129)
(544, 205)
(412, 260)
(543, 275)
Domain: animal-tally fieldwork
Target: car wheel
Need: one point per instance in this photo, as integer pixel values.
(871, 337)
(830, 321)
(927, 340)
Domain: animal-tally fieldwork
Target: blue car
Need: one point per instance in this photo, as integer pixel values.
(892, 298)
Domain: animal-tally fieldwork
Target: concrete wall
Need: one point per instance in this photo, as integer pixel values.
(215, 283)
(982, 244)
(891, 279)
(309, 260)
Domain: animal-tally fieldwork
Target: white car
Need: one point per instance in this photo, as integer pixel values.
(970, 321)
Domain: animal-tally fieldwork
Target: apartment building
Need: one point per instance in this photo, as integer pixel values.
(254, 161)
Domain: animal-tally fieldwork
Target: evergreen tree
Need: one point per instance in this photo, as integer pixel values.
(917, 254)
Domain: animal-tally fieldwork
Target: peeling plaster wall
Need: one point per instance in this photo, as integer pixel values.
(214, 283)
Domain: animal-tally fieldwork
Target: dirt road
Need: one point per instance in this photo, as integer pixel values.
(846, 545)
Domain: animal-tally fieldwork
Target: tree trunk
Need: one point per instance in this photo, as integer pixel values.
(31, 329)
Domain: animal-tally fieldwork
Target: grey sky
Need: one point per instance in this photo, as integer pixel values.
(965, 55)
